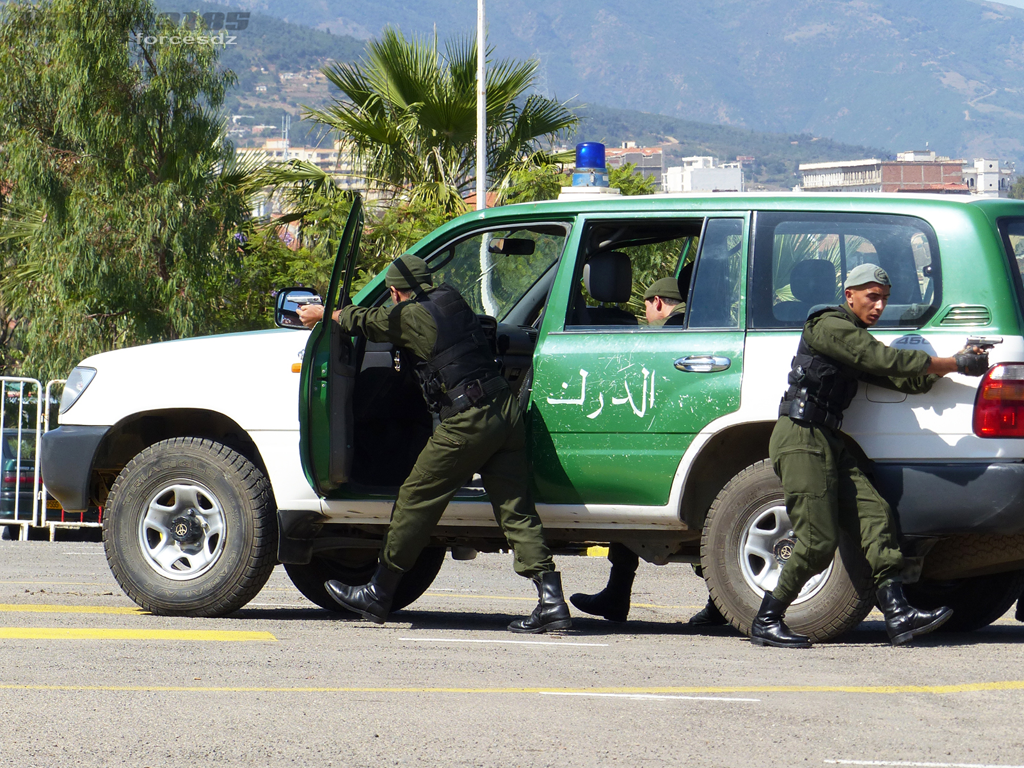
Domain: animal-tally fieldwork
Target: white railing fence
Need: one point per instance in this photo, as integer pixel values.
(26, 414)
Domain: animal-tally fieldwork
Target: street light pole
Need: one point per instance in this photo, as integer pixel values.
(481, 108)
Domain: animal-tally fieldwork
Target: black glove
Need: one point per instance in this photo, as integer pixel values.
(971, 363)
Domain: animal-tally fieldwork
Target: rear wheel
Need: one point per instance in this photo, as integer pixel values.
(356, 566)
(976, 601)
(747, 539)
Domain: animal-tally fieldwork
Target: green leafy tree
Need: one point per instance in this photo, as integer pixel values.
(533, 183)
(122, 218)
(629, 181)
(409, 112)
(1017, 190)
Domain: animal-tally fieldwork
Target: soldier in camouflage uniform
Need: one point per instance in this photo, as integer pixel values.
(825, 490)
(482, 431)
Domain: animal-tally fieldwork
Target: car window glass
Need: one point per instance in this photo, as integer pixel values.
(801, 261)
(10, 445)
(494, 269)
(1013, 232)
(715, 301)
(621, 260)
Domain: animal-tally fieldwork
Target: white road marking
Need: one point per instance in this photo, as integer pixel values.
(908, 764)
(647, 696)
(498, 642)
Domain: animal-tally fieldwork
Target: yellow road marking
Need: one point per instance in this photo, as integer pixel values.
(46, 633)
(597, 551)
(1005, 685)
(40, 608)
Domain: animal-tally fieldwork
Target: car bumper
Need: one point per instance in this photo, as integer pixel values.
(65, 461)
(937, 499)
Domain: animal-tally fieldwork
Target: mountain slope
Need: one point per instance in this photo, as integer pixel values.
(893, 73)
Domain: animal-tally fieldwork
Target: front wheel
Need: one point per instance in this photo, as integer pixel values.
(356, 566)
(747, 538)
(190, 529)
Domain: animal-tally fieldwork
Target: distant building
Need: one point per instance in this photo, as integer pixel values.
(335, 160)
(650, 161)
(702, 173)
(988, 178)
(913, 171)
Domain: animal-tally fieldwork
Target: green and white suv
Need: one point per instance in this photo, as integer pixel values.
(653, 437)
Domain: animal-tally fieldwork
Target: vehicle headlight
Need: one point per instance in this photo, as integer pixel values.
(77, 381)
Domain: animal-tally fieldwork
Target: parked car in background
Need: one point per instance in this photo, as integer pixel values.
(17, 474)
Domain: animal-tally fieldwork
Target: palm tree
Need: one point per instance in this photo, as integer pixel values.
(409, 114)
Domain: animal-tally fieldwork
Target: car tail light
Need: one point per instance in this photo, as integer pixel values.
(999, 403)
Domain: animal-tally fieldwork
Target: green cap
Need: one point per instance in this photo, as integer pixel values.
(667, 288)
(408, 273)
(863, 274)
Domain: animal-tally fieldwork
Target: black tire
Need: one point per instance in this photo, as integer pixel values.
(207, 504)
(355, 566)
(746, 512)
(976, 601)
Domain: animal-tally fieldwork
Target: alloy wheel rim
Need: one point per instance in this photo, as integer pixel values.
(764, 548)
(181, 534)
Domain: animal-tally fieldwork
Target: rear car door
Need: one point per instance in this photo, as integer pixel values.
(616, 402)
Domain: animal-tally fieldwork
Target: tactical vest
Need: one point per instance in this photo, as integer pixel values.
(461, 370)
(820, 388)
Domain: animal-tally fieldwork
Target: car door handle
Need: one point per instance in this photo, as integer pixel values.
(702, 363)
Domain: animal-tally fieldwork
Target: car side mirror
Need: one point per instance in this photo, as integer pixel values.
(286, 312)
(511, 246)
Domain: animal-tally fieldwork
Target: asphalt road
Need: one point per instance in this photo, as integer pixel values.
(88, 680)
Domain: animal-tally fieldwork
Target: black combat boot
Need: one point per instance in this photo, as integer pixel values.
(551, 612)
(769, 628)
(372, 600)
(612, 602)
(708, 616)
(902, 622)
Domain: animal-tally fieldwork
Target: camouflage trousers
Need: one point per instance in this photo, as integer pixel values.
(828, 494)
(489, 440)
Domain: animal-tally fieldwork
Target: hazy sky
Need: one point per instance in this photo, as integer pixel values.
(1017, 3)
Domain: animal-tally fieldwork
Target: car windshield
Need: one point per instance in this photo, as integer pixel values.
(494, 269)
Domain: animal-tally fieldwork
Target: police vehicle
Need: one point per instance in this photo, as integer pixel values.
(217, 458)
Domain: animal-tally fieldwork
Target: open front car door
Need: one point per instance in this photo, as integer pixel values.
(328, 377)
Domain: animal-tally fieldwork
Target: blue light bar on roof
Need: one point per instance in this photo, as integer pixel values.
(590, 167)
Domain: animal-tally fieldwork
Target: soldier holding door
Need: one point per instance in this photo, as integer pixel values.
(482, 431)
